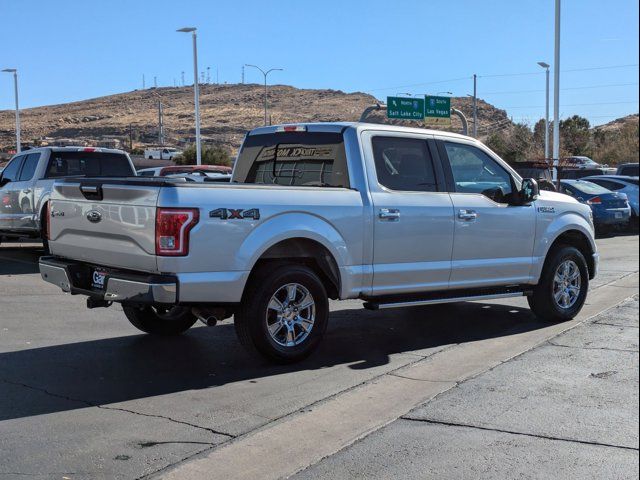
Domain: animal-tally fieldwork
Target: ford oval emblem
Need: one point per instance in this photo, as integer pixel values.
(94, 216)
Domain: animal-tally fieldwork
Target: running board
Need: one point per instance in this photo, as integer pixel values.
(434, 301)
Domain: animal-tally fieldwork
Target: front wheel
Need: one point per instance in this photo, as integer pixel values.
(563, 286)
(160, 320)
(284, 313)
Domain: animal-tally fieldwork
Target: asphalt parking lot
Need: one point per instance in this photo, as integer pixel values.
(85, 395)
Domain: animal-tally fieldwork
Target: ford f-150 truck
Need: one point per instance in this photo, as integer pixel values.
(26, 182)
(391, 215)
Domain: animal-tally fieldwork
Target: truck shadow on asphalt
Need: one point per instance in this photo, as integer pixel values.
(15, 260)
(98, 372)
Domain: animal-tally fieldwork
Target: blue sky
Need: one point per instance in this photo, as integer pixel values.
(69, 50)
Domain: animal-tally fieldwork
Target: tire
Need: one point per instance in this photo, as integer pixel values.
(567, 265)
(157, 321)
(295, 334)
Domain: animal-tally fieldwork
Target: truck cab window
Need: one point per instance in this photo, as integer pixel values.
(10, 173)
(29, 168)
(404, 164)
(309, 159)
(476, 172)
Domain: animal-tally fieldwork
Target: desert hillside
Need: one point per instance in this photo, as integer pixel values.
(227, 112)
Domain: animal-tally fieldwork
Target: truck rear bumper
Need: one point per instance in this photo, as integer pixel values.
(75, 278)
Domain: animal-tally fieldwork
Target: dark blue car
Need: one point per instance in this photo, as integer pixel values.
(610, 209)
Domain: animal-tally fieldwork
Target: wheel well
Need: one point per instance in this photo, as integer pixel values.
(305, 252)
(580, 241)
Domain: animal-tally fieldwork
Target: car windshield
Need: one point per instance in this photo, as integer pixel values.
(88, 164)
(589, 187)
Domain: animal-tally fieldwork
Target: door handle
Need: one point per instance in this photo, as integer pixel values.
(391, 214)
(26, 190)
(468, 215)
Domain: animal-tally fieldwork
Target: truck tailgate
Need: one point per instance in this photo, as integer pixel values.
(110, 223)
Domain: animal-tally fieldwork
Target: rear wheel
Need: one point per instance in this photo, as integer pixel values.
(160, 320)
(563, 286)
(284, 313)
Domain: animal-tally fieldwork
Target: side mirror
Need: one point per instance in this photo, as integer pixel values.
(530, 191)
(3, 181)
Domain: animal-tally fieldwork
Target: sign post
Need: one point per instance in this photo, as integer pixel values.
(437, 110)
(405, 108)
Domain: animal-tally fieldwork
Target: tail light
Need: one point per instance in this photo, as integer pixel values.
(172, 230)
(46, 221)
(595, 201)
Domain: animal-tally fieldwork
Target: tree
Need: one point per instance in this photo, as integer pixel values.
(575, 136)
(538, 139)
(216, 155)
(514, 144)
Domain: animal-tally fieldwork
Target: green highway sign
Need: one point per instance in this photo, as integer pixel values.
(437, 107)
(405, 108)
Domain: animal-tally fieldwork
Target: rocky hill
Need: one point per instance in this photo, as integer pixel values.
(227, 112)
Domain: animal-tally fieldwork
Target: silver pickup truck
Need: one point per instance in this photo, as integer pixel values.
(27, 180)
(391, 215)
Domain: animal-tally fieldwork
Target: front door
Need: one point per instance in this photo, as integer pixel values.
(9, 197)
(413, 215)
(493, 240)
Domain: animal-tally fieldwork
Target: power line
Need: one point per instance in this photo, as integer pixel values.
(497, 75)
(573, 104)
(563, 89)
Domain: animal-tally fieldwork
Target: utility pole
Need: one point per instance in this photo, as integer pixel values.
(183, 78)
(155, 82)
(242, 74)
(160, 124)
(556, 96)
(15, 87)
(475, 106)
(217, 76)
(144, 85)
(208, 75)
(130, 138)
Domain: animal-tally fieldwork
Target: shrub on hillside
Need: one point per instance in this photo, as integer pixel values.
(215, 155)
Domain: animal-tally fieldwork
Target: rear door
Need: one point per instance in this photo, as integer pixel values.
(25, 218)
(9, 193)
(493, 240)
(413, 214)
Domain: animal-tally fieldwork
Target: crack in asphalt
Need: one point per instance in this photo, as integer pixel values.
(119, 409)
(593, 348)
(525, 434)
(615, 325)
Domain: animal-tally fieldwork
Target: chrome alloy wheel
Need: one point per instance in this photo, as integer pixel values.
(567, 283)
(290, 315)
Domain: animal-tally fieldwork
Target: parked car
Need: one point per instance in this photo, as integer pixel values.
(539, 171)
(184, 170)
(628, 169)
(578, 161)
(202, 177)
(621, 184)
(610, 209)
(27, 181)
(392, 215)
(162, 153)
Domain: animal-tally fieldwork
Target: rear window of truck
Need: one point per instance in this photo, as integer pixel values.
(88, 164)
(304, 159)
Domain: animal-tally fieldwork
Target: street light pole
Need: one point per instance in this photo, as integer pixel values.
(556, 95)
(196, 94)
(475, 106)
(546, 114)
(265, 86)
(15, 87)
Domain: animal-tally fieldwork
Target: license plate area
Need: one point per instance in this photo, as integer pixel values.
(98, 279)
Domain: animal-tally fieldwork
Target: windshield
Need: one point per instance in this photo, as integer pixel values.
(88, 164)
(293, 158)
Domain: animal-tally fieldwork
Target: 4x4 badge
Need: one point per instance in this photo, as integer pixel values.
(235, 213)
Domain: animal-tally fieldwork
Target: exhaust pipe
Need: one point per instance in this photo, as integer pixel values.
(208, 317)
